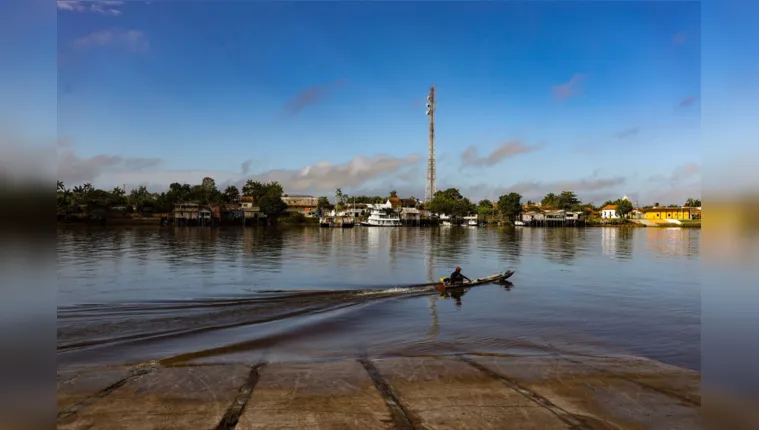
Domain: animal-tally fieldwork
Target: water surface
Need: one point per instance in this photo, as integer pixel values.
(130, 295)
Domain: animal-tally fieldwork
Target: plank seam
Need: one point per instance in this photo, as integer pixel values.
(567, 417)
(639, 383)
(65, 414)
(234, 412)
(401, 417)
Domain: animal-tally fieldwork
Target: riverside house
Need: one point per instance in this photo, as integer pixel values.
(186, 213)
(301, 203)
(609, 212)
(672, 213)
(250, 210)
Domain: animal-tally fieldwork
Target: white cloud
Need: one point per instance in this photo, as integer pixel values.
(106, 171)
(101, 7)
(133, 40)
(502, 152)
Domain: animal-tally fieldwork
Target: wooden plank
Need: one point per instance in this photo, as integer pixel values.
(315, 396)
(179, 397)
(444, 393)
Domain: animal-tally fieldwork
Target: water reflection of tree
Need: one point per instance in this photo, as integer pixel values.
(179, 245)
(207, 248)
(560, 243)
(449, 244)
(263, 248)
(624, 248)
(510, 243)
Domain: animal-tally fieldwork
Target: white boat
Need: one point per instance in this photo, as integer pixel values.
(519, 223)
(471, 221)
(446, 223)
(382, 218)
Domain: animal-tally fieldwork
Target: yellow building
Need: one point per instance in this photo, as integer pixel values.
(662, 213)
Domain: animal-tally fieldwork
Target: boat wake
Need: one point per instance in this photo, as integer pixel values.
(93, 329)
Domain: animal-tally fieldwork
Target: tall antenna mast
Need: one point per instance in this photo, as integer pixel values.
(429, 191)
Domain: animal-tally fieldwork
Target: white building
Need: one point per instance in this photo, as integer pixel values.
(609, 212)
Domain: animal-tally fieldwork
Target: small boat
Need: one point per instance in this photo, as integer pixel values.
(519, 223)
(444, 283)
(471, 221)
(500, 277)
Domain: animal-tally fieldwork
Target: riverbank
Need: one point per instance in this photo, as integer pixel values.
(466, 391)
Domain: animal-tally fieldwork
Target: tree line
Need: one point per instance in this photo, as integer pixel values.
(268, 197)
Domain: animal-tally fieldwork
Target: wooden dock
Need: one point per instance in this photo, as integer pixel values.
(452, 392)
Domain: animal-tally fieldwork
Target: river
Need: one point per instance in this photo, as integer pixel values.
(202, 295)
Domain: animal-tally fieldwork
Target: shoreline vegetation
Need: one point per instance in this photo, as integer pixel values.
(287, 221)
(87, 205)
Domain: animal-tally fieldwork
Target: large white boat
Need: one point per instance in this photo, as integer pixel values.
(382, 218)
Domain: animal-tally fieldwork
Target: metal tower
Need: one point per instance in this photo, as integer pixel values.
(429, 191)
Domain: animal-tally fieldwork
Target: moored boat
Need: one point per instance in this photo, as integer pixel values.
(337, 222)
(382, 218)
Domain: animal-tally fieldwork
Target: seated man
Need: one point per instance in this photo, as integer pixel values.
(457, 277)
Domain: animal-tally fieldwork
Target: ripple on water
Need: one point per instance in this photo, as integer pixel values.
(221, 293)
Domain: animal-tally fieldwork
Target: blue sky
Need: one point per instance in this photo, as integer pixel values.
(599, 97)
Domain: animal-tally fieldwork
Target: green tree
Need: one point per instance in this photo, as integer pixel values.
(550, 200)
(566, 200)
(231, 195)
(510, 205)
(253, 189)
(270, 201)
(451, 202)
(139, 197)
(323, 204)
(485, 208)
(393, 193)
(118, 196)
(64, 197)
(339, 196)
(693, 203)
(268, 197)
(624, 207)
(208, 193)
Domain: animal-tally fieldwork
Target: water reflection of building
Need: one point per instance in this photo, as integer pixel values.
(609, 241)
(616, 242)
(669, 241)
(372, 238)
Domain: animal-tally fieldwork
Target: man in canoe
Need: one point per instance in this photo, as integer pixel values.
(457, 277)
